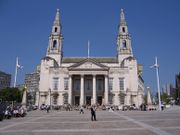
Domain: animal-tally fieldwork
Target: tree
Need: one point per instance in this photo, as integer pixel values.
(145, 98)
(11, 94)
(164, 98)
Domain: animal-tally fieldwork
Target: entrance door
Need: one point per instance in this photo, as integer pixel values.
(100, 100)
(76, 100)
(88, 100)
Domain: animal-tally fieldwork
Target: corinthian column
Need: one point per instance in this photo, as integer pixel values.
(94, 89)
(106, 90)
(70, 91)
(82, 91)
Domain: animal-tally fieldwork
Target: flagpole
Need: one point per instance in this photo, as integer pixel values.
(15, 75)
(158, 85)
(156, 66)
(88, 48)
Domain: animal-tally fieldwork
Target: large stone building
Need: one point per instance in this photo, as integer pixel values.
(32, 80)
(32, 85)
(178, 88)
(5, 80)
(91, 80)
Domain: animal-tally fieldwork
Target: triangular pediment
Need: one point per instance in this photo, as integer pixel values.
(88, 64)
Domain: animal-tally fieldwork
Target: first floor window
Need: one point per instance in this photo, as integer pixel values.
(77, 84)
(121, 84)
(66, 80)
(110, 84)
(88, 84)
(99, 84)
(55, 83)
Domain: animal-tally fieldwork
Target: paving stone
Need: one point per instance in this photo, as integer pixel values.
(108, 123)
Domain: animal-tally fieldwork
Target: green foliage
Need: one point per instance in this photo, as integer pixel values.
(11, 94)
(165, 98)
(145, 99)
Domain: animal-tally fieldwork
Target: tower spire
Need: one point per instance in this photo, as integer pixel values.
(56, 29)
(57, 19)
(123, 21)
(123, 39)
(54, 49)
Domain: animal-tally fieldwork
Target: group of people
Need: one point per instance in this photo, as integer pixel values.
(14, 112)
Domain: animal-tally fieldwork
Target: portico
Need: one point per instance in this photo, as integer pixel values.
(88, 89)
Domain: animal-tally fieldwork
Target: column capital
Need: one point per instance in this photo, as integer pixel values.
(106, 76)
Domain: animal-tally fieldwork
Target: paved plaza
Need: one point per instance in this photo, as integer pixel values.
(108, 123)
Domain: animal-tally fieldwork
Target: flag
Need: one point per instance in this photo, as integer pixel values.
(152, 66)
(18, 65)
(155, 65)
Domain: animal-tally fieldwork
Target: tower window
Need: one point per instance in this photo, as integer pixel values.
(54, 44)
(55, 29)
(123, 29)
(124, 44)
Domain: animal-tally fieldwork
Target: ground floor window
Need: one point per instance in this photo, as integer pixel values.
(122, 98)
(65, 98)
(55, 98)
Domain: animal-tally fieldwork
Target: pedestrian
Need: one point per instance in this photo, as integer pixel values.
(81, 110)
(47, 108)
(110, 109)
(93, 113)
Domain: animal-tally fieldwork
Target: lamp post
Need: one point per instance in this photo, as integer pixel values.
(156, 66)
(50, 97)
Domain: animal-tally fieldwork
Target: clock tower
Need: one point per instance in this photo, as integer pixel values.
(124, 48)
(54, 49)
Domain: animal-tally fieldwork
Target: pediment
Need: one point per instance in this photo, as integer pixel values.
(88, 64)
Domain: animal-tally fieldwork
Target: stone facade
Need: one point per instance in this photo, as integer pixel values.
(5, 80)
(32, 85)
(178, 88)
(90, 80)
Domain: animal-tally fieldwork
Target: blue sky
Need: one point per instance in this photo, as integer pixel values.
(153, 24)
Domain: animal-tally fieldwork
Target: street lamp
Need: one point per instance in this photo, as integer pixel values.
(50, 97)
(156, 66)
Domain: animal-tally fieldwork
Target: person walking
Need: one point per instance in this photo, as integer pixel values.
(47, 108)
(93, 113)
(81, 110)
